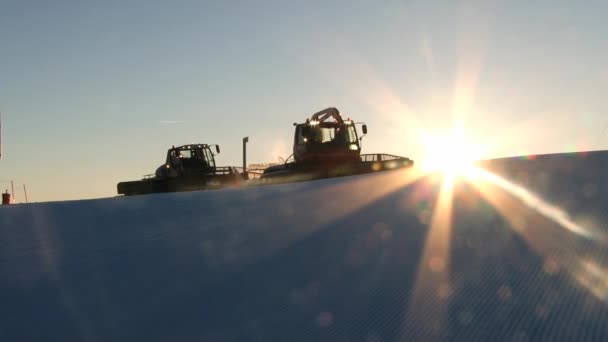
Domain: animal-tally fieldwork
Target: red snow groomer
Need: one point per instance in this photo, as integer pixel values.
(328, 146)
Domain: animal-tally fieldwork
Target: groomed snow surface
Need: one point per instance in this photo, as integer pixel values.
(519, 255)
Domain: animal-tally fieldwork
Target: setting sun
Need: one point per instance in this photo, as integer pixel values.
(451, 155)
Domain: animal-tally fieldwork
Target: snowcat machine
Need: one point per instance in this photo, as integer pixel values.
(328, 146)
(187, 168)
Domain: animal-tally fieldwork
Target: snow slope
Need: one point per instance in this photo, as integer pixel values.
(366, 258)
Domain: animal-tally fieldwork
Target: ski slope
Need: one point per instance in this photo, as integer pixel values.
(518, 254)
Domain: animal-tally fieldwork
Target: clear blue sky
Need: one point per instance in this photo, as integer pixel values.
(86, 85)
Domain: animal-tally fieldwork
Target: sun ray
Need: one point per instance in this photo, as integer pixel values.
(593, 277)
(532, 201)
(363, 190)
(547, 230)
(427, 310)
